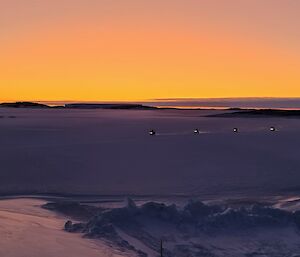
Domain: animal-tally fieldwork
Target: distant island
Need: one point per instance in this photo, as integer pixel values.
(230, 112)
(109, 106)
(24, 105)
(254, 113)
(34, 105)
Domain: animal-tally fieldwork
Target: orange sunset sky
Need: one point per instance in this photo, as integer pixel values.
(87, 50)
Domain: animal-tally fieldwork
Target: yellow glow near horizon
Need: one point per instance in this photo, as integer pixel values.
(136, 58)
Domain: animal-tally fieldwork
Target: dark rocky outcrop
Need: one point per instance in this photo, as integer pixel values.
(24, 105)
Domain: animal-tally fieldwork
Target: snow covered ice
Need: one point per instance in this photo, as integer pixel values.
(108, 155)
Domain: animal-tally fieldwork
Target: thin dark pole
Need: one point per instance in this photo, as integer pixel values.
(161, 248)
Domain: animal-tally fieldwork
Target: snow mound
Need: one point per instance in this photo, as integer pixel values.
(198, 229)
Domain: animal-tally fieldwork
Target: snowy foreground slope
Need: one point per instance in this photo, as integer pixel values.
(195, 229)
(29, 231)
(110, 152)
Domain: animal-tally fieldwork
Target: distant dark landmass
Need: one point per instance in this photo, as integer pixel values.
(251, 113)
(110, 106)
(235, 112)
(24, 105)
(78, 106)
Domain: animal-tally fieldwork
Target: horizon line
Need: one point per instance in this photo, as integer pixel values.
(164, 99)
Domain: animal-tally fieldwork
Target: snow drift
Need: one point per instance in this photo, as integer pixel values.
(197, 229)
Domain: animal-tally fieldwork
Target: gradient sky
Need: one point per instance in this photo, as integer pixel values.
(144, 49)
